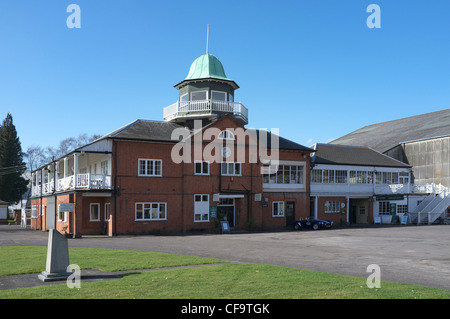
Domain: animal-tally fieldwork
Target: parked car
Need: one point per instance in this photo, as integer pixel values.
(312, 223)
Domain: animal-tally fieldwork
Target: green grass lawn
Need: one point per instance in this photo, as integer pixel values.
(224, 281)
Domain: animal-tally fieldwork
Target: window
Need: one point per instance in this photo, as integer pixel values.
(361, 177)
(383, 208)
(226, 135)
(403, 178)
(284, 175)
(316, 176)
(332, 207)
(362, 210)
(384, 178)
(230, 168)
(218, 96)
(104, 167)
(94, 212)
(34, 211)
(150, 211)
(199, 96)
(150, 167)
(183, 99)
(201, 168)
(107, 211)
(61, 216)
(277, 209)
(340, 177)
(401, 209)
(201, 208)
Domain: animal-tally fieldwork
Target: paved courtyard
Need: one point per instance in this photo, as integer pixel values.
(409, 254)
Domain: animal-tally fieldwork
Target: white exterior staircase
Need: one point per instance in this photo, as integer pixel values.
(431, 208)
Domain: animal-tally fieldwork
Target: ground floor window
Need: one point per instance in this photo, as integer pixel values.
(332, 206)
(277, 209)
(201, 207)
(151, 211)
(401, 209)
(61, 216)
(34, 211)
(383, 208)
(94, 212)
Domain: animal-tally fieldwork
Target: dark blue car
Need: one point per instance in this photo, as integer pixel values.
(312, 223)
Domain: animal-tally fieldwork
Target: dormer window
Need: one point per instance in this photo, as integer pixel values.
(226, 135)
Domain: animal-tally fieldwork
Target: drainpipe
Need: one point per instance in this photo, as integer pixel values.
(114, 228)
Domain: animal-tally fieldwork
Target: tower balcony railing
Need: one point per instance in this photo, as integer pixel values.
(204, 107)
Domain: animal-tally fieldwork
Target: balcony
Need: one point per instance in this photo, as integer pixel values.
(83, 182)
(78, 171)
(190, 109)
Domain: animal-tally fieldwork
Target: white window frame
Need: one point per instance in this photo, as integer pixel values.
(226, 135)
(107, 210)
(63, 215)
(213, 91)
(278, 213)
(34, 211)
(150, 207)
(227, 171)
(202, 166)
(90, 212)
(332, 207)
(152, 162)
(201, 210)
(192, 100)
(270, 180)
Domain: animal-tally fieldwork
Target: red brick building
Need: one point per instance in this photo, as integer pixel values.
(187, 173)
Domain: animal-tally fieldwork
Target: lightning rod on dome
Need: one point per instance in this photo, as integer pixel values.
(207, 39)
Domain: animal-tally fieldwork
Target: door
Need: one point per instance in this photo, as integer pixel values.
(290, 214)
(225, 210)
(50, 213)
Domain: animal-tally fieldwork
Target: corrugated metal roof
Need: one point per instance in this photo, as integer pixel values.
(386, 135)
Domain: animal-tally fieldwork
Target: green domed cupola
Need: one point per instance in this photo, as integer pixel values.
(206, 93)
(207, 66)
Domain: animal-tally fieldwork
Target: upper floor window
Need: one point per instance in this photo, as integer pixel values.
(199, 96)
(218, 96)
(226, 135)
(283, 174)
(150, 167)
(201, 168)
(230, 168)
(184, 99)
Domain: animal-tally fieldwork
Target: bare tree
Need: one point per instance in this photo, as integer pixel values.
(37, 155)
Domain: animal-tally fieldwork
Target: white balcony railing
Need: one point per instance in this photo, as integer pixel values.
(195, 108)
(83, 181)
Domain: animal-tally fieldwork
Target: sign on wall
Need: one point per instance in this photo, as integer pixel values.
(212, 211)
(66, 207)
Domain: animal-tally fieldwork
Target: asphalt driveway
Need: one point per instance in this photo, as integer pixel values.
(408, 254)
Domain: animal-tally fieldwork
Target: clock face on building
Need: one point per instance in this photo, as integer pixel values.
(226, 152)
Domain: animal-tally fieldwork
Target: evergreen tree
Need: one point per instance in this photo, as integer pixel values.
(12, 166)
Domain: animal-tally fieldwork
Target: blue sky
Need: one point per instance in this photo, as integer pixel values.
(311, 68)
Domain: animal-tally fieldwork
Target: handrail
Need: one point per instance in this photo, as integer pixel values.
(188, 108)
